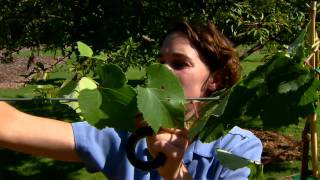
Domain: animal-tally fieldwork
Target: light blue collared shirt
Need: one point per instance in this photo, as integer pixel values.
(104, 150)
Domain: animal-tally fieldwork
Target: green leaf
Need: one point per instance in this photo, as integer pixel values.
(298, 42)
(135, 73)
(119, 100)
(162, 100)
(280, 110)
(113, 104)
(158, 110)
(60, 75)
(102, 57)
(90, 101)
(284, 75)
(294, 84)
(120, 105)
(310, 95)
(112, 76)
(84, 49)
(213, 108)
(278, 64)
(67, 87)
(84, 83)
(112, 107)
(161, 77)
(232, 161)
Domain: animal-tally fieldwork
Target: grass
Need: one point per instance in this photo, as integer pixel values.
(27, 91)
(41, 53)
(282, 170)
(251, 62)
(286, 169)
(21, 166)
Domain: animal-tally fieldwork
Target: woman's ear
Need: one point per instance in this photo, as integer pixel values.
(214, 81)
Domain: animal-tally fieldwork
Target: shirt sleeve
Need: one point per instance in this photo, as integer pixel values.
(242, 143)
(96, 147)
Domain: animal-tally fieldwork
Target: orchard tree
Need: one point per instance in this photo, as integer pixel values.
(129, 31)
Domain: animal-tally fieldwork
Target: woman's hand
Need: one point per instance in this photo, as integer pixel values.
(173, 143)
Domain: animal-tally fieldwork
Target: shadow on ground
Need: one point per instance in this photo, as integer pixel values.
(21, 166)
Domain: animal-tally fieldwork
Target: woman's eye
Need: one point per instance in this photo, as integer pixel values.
(176, 64)
(179, 65)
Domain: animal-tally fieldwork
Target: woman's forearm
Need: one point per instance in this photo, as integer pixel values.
(36, 135)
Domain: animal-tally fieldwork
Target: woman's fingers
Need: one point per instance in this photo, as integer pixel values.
(174, 131)
(178, 140)
(170, 150)
(173, 143)
(167, 143)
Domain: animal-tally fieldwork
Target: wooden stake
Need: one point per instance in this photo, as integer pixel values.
(305, 151)
(313, 118)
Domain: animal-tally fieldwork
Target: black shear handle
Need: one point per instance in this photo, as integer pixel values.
(131, 154)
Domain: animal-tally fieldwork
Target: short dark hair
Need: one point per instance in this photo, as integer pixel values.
(216, 48)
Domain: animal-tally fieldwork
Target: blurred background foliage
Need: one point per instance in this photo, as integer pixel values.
(130, 31)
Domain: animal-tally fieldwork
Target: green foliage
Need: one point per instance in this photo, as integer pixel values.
(262, 21)
(90, 102)
(130, 54)
(276, 94)
(72, 89)
(102, 104)
(129, 31)
(162, 100)
(84, 49)
(211, 111)
(109, 101)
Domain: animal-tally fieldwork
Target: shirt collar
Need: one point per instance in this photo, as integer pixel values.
(206, 150)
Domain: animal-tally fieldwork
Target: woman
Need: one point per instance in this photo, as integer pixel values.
(204, 61)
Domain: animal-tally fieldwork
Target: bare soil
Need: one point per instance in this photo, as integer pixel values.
(276, 147)
(15, 74)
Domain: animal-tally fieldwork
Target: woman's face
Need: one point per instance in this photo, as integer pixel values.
(180, 56)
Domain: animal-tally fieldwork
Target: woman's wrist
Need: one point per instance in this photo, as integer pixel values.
(181, 174)
(184, 173)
